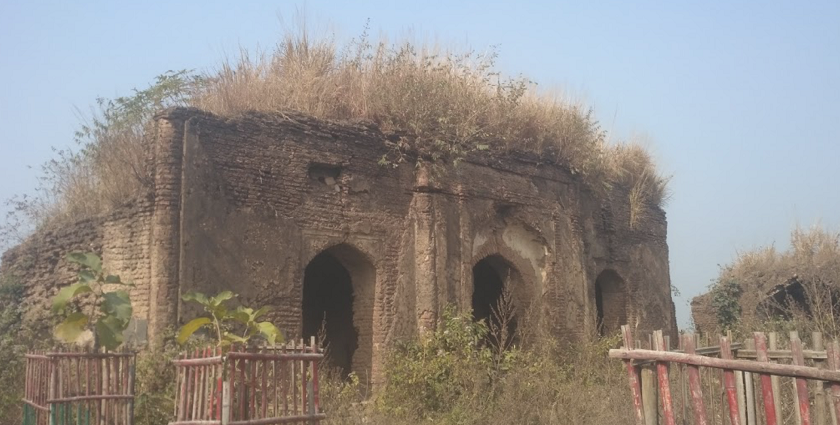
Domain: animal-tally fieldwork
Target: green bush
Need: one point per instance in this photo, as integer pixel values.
(452, 376)
(430, 376)
(155, 382)
(11, 353)
(726, 297)
(16, 337)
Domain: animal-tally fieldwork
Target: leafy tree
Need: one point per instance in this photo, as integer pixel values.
(223, 321)
(726, 296)
(110, 312)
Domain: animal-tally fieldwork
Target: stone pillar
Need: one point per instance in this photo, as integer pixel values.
(164, 253)
(425, 253)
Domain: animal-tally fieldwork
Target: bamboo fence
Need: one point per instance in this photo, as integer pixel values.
(762, 380)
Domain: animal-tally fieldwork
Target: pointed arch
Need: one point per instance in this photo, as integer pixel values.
(497, 282)
(338, 301)
(611, 298)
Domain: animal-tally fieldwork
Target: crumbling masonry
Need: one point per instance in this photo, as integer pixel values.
(298, 214)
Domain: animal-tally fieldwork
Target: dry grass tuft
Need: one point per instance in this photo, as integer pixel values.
(813, 261)
(446, 103)
(814, 253)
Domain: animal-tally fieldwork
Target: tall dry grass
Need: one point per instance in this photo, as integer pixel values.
(813, 261)
(444, 104)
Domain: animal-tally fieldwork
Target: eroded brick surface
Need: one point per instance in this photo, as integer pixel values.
(245, 203)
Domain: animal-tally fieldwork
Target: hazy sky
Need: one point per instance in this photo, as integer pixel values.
(741, 103)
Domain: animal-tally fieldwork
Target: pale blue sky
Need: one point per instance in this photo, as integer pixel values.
(741, 102)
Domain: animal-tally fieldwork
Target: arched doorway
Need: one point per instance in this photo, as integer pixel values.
(338, 289)
(610, 302)
(493, 298)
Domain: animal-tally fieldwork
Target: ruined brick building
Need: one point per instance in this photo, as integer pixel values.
(298, 214)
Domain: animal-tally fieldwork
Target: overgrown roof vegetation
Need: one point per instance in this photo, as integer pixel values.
(814, 255)
(444, 104)
(813, 260)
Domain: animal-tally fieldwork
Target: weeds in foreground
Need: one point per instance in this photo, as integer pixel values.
(454, 377)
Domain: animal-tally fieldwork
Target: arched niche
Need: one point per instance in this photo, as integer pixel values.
(493, 278)
(610, 302)
(338, 300)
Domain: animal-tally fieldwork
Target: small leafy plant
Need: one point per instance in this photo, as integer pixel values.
(110, 312)
(726, 301)
(223, 321)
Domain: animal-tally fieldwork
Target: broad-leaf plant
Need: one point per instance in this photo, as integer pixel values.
(230, 326)
(109, 313)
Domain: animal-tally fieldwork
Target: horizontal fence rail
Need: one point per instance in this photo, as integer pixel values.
(64, 388)
(754, 382)
(276, 385)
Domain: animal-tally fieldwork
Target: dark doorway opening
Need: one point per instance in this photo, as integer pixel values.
(610, 302)
(492, 299)
(328, 309)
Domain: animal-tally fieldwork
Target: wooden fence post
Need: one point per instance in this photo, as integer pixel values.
(729, 383)
(766, 381)
(727, 369)
(633, 375)
(819, 386)
(694, 385)
(834, 364)
(650, 398)
(773, 345)
(750, 390)
(664, 383)
(801, 385)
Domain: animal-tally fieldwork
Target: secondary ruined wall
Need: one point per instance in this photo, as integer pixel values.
(246, 203)
(703, 313)
(122, 238)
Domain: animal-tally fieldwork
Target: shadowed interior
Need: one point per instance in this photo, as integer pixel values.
(328, 309)
(490, 275)
(610, 302)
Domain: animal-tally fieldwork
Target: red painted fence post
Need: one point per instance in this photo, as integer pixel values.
(664, 383)
(766, 382)
(834, 364)
(694, 385)
(801, 384)
(729, 382)
(633, 375)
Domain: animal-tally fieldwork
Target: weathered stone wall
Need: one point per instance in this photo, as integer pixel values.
(247, 203)
(703, 313)
(122, 238)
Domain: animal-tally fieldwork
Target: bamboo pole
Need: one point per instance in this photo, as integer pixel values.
(694, 384)
(729, 383)
(834, 364)
(263, 400)
(803, 416)
(633, 374)
(181, 382)
(806, 372)
(664, 383)
(766, 383)
(818, 387)
(773, 345)
(316, 397)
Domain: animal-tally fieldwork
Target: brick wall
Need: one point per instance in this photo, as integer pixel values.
(245, 203)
